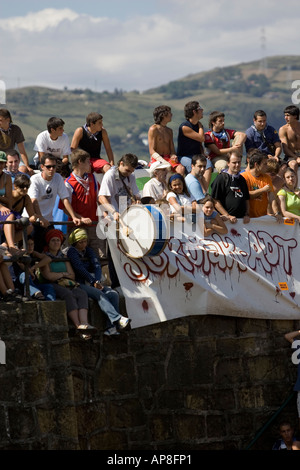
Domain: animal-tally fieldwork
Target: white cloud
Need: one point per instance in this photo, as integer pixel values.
(63, 48)
(37, 22)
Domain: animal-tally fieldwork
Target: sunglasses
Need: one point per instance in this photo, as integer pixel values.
(23, 186)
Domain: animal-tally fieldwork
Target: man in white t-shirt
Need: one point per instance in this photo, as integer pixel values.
(53, 141)
(44, 189)
(118, 188)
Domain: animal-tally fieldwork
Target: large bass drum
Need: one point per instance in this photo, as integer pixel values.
(143, 231)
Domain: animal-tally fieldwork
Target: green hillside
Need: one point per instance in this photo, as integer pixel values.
(237, 90)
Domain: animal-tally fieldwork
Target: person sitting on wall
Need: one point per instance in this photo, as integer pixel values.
(90, 138)
(218, 140)
(191, 137)
(88, 274)
(156, 187)
(263, 136)
(160, 140)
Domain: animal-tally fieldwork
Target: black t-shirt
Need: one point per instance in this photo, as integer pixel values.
(91, 143)
(187, 146)
(232, 192)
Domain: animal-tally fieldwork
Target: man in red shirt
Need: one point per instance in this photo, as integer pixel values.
(83, 189)
(217, 140)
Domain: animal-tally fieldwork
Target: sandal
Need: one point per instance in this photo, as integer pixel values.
(38, 296)
(85, 337)
(88, 328)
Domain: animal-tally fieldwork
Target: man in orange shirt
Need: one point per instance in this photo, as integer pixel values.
(260, 187)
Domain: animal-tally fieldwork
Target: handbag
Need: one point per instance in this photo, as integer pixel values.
(64, 282)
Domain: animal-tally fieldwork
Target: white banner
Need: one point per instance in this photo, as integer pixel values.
(253, 271)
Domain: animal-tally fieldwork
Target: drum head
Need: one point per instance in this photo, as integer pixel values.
(142, 232)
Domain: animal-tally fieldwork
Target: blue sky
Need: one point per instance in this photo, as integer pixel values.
(111, 8)
(137, 45)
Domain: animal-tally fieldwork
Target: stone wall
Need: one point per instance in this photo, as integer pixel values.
(197, 383)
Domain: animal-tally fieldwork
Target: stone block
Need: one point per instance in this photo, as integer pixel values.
(108, 440)
(91, 416)
(35, 385)
(190, 427)
(151, 376)
(264, 368)
(216, 426)
(127, 413)
(22, 424)
(53, 314)
(161, 427)
(228, 371)
(116, 376)
(250, 397)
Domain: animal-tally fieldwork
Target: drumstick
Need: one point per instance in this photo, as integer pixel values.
(125, 229)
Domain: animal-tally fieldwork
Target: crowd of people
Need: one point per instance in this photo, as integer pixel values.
(67, 264)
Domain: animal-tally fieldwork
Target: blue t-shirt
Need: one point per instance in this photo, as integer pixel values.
(255, 138)
(194, 187)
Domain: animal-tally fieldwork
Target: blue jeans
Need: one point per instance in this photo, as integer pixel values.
(107, 299)
(46, 289)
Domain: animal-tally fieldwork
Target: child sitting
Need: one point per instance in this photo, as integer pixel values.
(212, 219)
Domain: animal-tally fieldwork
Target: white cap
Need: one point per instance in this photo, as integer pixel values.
(159, 166)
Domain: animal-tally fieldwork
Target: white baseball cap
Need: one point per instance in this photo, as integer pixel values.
(159, 166)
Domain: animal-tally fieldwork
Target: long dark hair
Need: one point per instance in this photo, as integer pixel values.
(177, 176)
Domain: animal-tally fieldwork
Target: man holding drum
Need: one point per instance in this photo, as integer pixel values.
(118, 190)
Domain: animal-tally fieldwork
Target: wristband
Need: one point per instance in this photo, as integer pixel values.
(157, 157)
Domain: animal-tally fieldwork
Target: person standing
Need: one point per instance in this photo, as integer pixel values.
(44, 189)
(118, 190)
(260, 187)
(230, 191)
(195, 182)
(83, 188)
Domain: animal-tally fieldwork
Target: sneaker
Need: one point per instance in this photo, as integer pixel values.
(12, 296)
(123, 323)
(111, 331)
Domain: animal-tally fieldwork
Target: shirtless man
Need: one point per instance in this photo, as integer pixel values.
(160, 140)
(289, 135)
